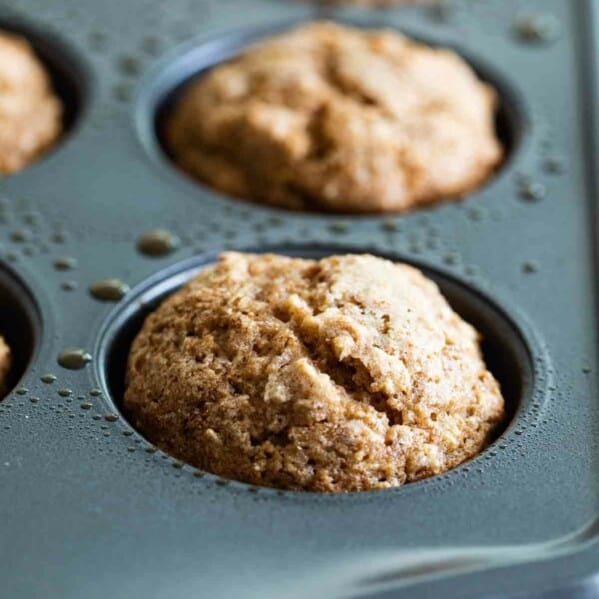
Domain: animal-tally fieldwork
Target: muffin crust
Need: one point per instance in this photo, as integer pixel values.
(30, 112)
(344, 374)
(338, 119)
(5, 366)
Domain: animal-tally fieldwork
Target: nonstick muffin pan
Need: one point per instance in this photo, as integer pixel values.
(90, 509)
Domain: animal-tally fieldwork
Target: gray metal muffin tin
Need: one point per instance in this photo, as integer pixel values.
(89, 509)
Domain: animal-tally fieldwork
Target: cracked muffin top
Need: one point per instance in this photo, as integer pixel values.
(349, 373)
(5, 366)
(338, 119)
(30, 112)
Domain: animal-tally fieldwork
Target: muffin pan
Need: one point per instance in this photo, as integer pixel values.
(91, 509)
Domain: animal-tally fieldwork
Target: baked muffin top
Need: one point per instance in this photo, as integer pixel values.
(334, 118)
(348, 373)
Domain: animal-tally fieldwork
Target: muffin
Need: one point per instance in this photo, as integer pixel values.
(5, 366)
(349, 373)
(338, 119)
(30, 112)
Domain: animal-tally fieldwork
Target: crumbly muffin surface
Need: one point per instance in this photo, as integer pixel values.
(5, 366)
(338, 119)
(30, 112)
(344, 374)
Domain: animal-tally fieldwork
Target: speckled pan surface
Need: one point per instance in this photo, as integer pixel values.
(89, 509)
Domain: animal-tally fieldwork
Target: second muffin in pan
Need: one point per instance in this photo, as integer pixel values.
(339, 119)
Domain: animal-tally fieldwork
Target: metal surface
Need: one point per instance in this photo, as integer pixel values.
(86, 511)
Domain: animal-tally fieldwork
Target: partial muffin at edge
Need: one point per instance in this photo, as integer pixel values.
(30, 111)
(5, 365)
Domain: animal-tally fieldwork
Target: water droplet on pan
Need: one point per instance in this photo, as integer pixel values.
(531, 191)
(68, 285)
(554, 165)
(74, 359)
(129, 65)
(109, 290)
(47, 378)
(537, 28)
(65, 263)
(31, 218)
(157, 243)
(19, 236)
(530, 266)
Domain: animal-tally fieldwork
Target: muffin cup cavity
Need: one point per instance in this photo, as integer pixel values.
(505, 348)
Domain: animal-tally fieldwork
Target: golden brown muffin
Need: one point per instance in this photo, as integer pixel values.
(349, 373)
(5, 366)
(30, 112)
(334, 118)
